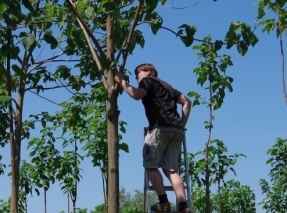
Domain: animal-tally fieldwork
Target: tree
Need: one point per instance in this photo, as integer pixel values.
(218, 166)
(212, 74)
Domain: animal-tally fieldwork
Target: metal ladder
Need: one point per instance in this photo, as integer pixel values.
(148, 188)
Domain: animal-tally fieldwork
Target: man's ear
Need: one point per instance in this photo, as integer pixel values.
(148, 73)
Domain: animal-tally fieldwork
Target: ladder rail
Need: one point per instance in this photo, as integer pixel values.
(187, 176)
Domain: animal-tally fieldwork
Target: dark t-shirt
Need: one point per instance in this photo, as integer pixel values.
(160, 103)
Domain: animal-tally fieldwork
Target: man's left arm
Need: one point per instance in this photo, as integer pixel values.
(186, 108)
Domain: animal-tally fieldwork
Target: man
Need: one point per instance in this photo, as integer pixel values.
(162, 144)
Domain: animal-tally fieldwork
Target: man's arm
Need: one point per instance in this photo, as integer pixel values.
(135, 93)
(186, 108)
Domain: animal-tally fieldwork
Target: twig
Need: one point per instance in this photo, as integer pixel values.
(45, 98)
(181, 8)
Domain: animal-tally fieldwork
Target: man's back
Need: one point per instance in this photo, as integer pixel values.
(160, 103)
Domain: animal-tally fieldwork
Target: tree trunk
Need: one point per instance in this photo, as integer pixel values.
(45, 201)
(112, 124)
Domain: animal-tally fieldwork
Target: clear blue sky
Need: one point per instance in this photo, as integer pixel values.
(249, 121)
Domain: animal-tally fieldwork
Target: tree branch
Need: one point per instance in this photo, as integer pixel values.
(98, 63)
(88, 30)
(56, 87)
(130, 35)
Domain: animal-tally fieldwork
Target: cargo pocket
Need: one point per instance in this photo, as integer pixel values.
(149, 152)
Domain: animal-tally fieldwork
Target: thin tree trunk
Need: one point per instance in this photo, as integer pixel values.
(68, 202)
(112, 123)
(207, 196)
(207, 191)
(74, 198)
(280, 31)
(45, 201)
(219, 197)
(14, 186)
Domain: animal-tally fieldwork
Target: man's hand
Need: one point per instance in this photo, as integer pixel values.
(119, 77)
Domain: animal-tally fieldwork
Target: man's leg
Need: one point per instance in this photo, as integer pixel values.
(177, 184)
(156, 180)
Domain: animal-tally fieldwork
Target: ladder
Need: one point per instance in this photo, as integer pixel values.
(182, 160)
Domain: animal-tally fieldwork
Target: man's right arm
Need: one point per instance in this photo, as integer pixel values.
(135, 93)
(186, 108)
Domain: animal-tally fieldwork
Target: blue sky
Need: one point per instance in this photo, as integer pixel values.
(249, 121)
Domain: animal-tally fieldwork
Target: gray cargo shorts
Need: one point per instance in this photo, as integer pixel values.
(162, 147)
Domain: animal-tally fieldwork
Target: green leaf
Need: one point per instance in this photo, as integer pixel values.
(18, 71)
(14, 52)
(28, 5)
(151, 5)
(28, 40)
(281, 3)
(10, 19)
(89, 12)
(242, 48)
(124, 147)
(51, 40)
(236, 25)
(189, 37)
(218, 45)
(2, 9)
(108, 7)
(187, 40)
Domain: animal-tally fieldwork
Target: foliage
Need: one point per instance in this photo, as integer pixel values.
(237, 198)
(276, 191)
(270, 23)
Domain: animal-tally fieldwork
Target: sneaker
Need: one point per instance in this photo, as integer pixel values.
(161, 207)
(187, 210)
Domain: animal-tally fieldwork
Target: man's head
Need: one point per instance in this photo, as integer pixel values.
(146, 67)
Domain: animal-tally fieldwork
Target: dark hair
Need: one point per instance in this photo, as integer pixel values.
(147, 67)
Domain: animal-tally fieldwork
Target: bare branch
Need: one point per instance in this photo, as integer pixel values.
(181, 8)
(45, 98)
(175, 33)
(62, 85)
(39, 63)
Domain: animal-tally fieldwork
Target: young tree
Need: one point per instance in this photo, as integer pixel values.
(218, 166)
(277, 23)
(276, 192)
